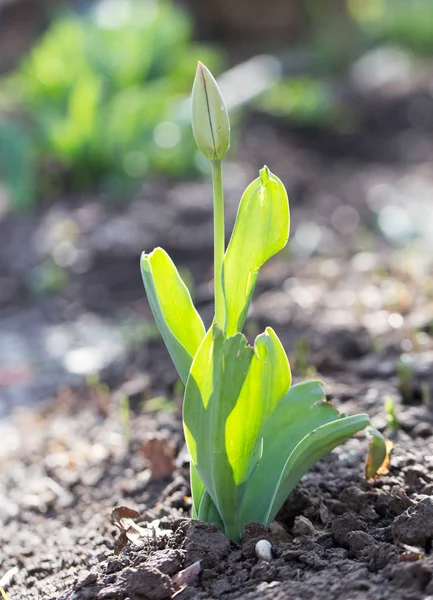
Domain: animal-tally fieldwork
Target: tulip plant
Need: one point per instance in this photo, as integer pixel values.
(251, 434)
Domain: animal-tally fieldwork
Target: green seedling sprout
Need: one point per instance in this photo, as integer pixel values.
(125, 418)
(391, 415)
(251, 434)
(159, 403)
(425, 393)
(405, 376)
(301, 348)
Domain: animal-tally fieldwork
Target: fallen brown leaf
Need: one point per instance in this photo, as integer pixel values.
(186, 577)
(120, 513)
(160, 455)
(410, 557)
(122, 517)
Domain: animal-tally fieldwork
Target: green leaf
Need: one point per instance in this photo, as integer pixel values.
(267, 382)
(261, 230)
(208, 511)
(203, 507)
(197, 490)
(292, 443)
(178, 321)
(314, 446)
(231, 392)
(301, 409)
(211, 393)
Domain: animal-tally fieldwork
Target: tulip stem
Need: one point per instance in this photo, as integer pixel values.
(219, 240)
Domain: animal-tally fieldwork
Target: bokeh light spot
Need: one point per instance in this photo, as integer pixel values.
(167, 135)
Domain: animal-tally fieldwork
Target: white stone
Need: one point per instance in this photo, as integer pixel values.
(264, 550)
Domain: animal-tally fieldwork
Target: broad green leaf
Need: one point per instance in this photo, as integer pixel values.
(197, 490)
(267, 382)
(261, 230)
(217, 374)
(203, 507)
(231, 392)
(302, 410)
(310, 449)
(208, 511)
(178, 321)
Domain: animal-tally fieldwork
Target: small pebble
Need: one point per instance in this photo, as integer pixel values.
(278, 533)
(264, 550)
(302, 526)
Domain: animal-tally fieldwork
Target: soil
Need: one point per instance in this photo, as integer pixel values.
(347, 299)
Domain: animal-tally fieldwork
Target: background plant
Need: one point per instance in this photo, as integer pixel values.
(97, 100)
(338, 34)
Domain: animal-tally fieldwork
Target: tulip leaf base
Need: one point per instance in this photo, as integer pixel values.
(251, 434)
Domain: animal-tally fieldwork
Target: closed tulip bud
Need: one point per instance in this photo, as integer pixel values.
(210, 120)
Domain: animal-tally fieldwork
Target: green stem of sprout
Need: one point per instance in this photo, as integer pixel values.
(219, 240)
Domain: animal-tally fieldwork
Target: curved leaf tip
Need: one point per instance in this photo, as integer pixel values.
(265, 175)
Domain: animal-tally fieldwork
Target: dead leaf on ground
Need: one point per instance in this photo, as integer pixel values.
(160, 455)
(123, 517)
(186, 577)
(410, 557)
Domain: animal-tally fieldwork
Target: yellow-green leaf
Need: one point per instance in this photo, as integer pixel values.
(301, 409)
(231, 392)
(261, 230)
(303, 428)
(178, 321)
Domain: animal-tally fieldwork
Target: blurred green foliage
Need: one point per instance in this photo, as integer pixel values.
(16, 164)
(339, 32)
(102, 97)
(303, 99)
(405, 22)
